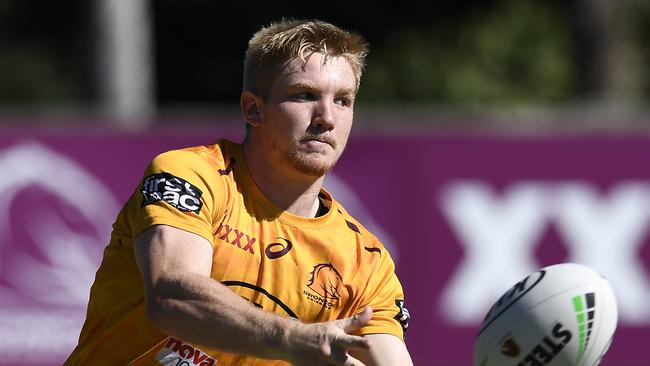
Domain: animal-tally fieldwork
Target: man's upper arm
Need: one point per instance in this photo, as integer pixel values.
(385, 350)
(385, 295)
(167, 253)
(179, 189)
(389, 322)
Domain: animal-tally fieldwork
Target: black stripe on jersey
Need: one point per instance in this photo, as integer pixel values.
(262, 291)
(353, 227)
(373, 249)
(228, 168)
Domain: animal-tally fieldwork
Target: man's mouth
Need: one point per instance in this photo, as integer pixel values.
(320, 140)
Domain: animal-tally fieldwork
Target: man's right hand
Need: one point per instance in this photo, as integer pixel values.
(327, 343)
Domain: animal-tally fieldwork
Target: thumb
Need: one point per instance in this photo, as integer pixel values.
(355, 323)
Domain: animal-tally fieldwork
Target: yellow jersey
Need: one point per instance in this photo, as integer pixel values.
(312, 269)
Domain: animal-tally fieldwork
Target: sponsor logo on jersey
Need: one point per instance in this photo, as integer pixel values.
(177, 353)
(278, 248)
(176, 191)
(546, 350)
(236, 237)
(403, 316)
(324, 285)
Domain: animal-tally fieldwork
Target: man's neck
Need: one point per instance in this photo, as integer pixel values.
(291, 191)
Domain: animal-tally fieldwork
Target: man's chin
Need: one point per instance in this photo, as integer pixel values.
(312, 166)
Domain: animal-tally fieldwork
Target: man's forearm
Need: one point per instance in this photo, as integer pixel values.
(182, 300)
(200, 310)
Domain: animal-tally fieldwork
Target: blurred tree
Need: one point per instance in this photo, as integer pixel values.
(639, 22)
(609, 49)
(512, 53)
(43, 59)
(472, 54)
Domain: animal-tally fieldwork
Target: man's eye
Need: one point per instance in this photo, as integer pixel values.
(344, 102)
(304, 96)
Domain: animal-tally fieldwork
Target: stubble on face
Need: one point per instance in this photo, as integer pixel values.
(314, 150)
(312, 163)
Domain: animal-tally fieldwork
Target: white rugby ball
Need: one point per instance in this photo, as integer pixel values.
(560, 315)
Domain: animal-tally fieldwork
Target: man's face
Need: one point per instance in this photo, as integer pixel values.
(307, 116)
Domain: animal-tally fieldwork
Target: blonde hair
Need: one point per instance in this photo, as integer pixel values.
(282, 41)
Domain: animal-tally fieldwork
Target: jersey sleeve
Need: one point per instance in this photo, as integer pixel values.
(179, 189)
(385, 295)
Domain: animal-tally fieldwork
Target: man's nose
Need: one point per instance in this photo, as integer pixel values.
(324, 115)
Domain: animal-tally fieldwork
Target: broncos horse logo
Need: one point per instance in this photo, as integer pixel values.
(325, 281)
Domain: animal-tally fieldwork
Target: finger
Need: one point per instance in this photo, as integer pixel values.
(346, 341)
(351, 361)
(356, 322)
(341, 357)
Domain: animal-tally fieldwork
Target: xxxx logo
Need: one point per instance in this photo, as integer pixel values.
(235, 237)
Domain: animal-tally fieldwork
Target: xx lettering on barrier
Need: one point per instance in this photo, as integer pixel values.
(499, 234)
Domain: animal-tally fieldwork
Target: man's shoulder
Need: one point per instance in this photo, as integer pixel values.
(355, 225)
(218, 155)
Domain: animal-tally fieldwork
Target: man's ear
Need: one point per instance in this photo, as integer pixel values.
(251, 108)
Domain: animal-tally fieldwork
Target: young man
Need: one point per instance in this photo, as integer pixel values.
(232, 254)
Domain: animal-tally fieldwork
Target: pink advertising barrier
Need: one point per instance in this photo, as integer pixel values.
(464, 216)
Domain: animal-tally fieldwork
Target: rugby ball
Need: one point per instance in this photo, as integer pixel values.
(560, 315)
